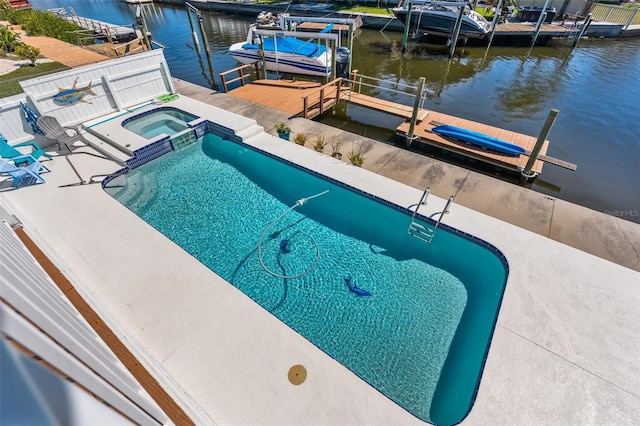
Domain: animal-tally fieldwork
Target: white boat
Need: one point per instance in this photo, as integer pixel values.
(284, 54)
(440, 19)
(137, 1)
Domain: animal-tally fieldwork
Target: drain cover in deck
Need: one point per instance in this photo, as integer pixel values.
(297, 374)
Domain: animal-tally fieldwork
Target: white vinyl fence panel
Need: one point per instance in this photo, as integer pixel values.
(116, 84)
(13, 127)
(25, 287)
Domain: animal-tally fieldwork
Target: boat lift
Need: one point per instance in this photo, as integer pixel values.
(456, 29)
(287, 21)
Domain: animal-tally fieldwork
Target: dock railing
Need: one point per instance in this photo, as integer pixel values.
(317, 102)
(358, 80)
(241, 70)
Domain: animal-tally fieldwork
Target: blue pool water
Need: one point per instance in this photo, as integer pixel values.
(422, 335)
(167, 120)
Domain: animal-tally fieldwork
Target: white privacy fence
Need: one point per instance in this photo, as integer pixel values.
(35, 313)
(104, 88)
(116, 84)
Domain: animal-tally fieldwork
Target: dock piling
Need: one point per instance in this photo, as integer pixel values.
(193, 30)
(414, 116)
(456, 32)
(543, 16)
(535, 152)
(583, 28)
(494, 22)
(407, 24)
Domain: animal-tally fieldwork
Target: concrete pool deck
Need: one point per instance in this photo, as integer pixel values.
(565, 348)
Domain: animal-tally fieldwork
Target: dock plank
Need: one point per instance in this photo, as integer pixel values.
(383, 105)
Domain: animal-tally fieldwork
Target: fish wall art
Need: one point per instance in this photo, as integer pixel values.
(74, 94)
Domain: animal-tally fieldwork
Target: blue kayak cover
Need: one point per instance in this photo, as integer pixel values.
(289, 45)
(479, 139)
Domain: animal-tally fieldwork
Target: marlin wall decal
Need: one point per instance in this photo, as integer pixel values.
(69, 96)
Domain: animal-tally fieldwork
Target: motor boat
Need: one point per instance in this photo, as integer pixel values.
(284, 54)
(440, 19)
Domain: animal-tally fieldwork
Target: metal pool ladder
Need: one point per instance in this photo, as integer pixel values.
(423, 232)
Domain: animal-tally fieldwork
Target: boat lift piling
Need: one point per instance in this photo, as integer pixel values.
(142, 23)
(583, 28)
(456, 30)
(193, 30)
(494, 22)
(417, 104)
(204, 41)
(526, 173)
(541, 18)
(407, 25)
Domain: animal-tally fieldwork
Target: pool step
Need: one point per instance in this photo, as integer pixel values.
(105, 141)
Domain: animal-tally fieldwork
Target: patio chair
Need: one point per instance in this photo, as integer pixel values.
(22, 174)
(11, 151)
(53, 130)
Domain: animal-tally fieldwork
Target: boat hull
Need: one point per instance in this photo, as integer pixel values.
(480, 140)
(442, 23)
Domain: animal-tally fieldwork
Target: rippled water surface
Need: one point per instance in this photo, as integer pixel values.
(596, 88)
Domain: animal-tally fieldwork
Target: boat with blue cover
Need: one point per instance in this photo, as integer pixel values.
(479, 139)
(284, 54)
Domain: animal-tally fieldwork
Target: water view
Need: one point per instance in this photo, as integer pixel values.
(594, 86)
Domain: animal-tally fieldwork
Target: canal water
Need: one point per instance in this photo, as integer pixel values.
(596, 88)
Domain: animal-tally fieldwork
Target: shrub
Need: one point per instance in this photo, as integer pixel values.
(39, 23)
(300, 139)
(355, 157)
(335, 148)
(8, 40)
(24, 51)
(320, 143)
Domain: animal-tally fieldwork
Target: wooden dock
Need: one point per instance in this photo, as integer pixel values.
(520, 29)
(424, 135)
(309, 99)
(112, 33)
(289, 96)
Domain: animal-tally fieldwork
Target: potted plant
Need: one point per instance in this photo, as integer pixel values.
(320, 144)
(283, 129)
(335, 149)
(300, 139)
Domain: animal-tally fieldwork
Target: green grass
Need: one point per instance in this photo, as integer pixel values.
(363, 9)
(9, 85)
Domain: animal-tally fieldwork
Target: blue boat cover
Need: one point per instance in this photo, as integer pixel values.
(289, 45)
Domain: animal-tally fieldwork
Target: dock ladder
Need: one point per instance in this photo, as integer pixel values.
(423, 232)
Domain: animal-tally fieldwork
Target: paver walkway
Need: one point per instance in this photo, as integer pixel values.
(60, 51)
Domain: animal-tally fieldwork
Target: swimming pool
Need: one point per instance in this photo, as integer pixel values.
(420, 337)
(167, 120)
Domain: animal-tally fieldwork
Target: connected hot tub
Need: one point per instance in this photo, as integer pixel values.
(167, 120)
